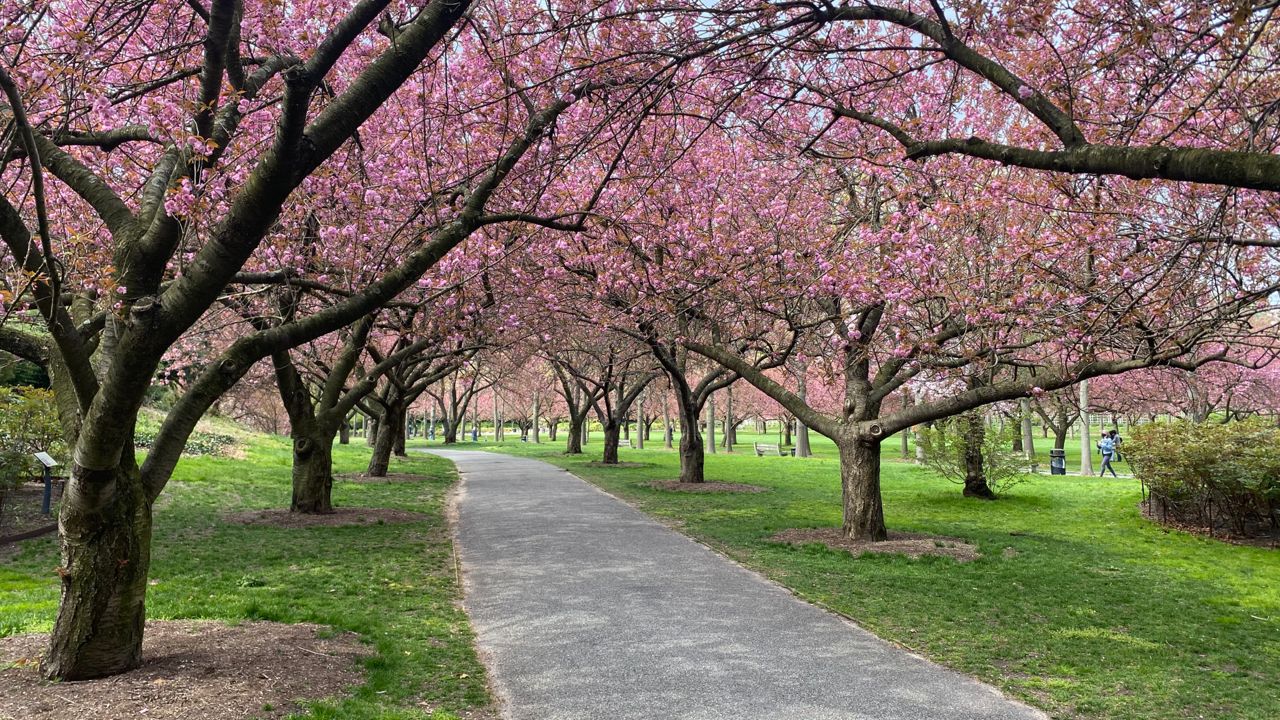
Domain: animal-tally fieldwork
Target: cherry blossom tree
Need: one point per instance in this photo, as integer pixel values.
(154, 155)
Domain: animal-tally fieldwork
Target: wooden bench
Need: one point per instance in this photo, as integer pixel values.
(763, 449)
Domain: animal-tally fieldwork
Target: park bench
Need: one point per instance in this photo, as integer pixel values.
(763, 449)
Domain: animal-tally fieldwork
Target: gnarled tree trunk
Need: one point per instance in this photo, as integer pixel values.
(106, 550)
(692, 458)
(312, 472)
(860, 489)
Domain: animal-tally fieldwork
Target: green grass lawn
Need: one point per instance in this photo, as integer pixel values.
(1078, 605)
(393, 584)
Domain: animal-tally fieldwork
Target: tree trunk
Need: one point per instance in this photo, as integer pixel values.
(370, 431)
(975, 478)
(860, 489)
(450, 428)
(1028, 439)
(401, 426)
(711, 424)
(383, 446)
(691, 455)
(344, 433)
(786, 433)
(312, 472)
(668, 441)
(1060, 437)
(729, 434)
(611, 441)
(1086, 449)
(641, 430)
(576, 424)
(536, 421)
(105, 555)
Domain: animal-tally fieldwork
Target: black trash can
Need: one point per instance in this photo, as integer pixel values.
(1057, 461)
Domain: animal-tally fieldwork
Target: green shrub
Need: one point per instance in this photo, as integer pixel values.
(199, 443)
(1214, 475)
(944, 453)
(28, 424)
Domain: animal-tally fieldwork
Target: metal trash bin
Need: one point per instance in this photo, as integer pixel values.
(1057, 461)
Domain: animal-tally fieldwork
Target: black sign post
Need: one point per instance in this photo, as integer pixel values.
(48, 463)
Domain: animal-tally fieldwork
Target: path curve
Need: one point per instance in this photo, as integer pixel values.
(586, 609)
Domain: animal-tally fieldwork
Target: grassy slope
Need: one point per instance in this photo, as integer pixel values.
(1078, 606)
(393, 584)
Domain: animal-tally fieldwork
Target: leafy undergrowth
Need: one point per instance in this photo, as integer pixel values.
(1077, 605)
(394, 584)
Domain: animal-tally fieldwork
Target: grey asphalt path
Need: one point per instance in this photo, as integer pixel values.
(586, 609)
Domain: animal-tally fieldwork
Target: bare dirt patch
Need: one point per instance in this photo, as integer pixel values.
(706, 487)
(913, 545)
(619, 465)
(370, 480)
(340, 517)
(190, 669)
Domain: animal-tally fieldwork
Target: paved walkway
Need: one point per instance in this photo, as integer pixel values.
(586, 609)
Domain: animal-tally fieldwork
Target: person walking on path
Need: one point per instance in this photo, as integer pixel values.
(1108, 447)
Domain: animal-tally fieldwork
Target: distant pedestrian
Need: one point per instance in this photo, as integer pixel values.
(1108, 447)
(1116, 440)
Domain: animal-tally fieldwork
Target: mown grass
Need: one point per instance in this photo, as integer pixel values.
(1078, 605)
(395, 584)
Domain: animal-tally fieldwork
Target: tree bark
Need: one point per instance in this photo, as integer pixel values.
(384, 444)
(642, 430)
(973, 434)
(537, 406)
(730, 435)
(106, 551)
(1028, 438)
(312, 472)
(860, 489)
(692, 459)
(668, 439)
(576, 424)
(401, 428)
(802, 431)
(612, 438)
(1086, 449)
(344, 433)
(711, 424)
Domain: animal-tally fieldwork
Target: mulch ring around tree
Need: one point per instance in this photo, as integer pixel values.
(913, 545)
(191, 669)
(386, 479)
(20, 516)
(340, 517)
(706, 487)
(619, 465)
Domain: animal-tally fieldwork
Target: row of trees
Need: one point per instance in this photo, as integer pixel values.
(353, 198)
